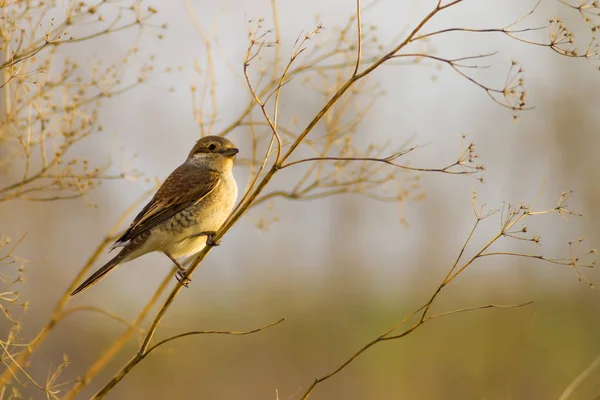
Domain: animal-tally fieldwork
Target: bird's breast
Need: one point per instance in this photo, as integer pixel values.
(206, 216)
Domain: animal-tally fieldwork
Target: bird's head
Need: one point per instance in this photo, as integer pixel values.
(215, 152)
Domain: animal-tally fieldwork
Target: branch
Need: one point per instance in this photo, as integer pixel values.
(385, 337)
(358, 39)
(509, 218)
(390, 161)
(585, 374)
(233, 333)
(364, 73)
(143, 353)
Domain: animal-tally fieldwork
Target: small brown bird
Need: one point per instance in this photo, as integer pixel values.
(182, 217)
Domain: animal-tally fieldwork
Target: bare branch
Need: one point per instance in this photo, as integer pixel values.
(579, 379)
(147, 350)
(233, 333)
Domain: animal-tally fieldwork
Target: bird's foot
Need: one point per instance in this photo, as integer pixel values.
(210, 239)
(180, 276)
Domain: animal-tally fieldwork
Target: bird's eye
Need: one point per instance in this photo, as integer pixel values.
(212, 146)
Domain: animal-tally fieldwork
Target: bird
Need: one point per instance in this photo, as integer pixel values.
(184, 213)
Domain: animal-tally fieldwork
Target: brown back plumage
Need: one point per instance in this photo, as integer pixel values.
(187, 185)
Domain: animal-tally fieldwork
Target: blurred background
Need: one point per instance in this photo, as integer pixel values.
(343, 269)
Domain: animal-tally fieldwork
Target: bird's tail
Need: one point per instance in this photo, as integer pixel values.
(96, 276)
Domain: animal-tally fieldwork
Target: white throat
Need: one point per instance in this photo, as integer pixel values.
(214, 161)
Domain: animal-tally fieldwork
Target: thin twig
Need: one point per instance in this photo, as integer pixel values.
(359, 38)
(579, 379)
(147, 350)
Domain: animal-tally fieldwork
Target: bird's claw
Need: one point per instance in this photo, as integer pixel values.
(180, 276)
(210, 239)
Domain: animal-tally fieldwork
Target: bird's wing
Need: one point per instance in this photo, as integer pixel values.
(186, 186)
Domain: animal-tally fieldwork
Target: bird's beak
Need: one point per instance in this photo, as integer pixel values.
(230, 152)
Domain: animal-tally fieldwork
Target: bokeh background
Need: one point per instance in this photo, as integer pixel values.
(341, 270)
